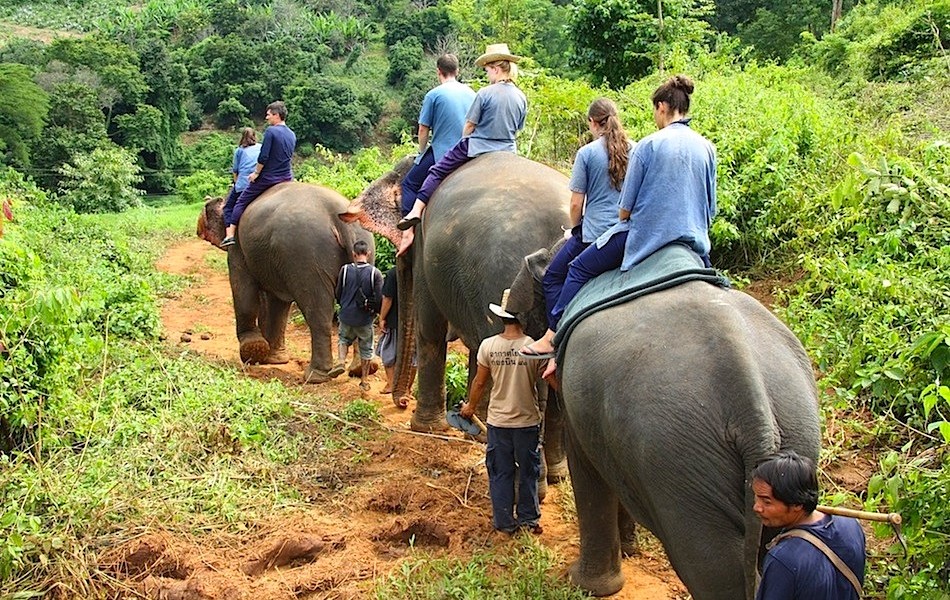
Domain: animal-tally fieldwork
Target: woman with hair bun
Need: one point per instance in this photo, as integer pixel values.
(668, 196)
(596, 181)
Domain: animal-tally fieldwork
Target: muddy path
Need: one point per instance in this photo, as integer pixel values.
(408, 490)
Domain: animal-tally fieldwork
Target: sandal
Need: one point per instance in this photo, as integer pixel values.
(529, 352)
(408, 223)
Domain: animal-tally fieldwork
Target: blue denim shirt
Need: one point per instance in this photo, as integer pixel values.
(499, 112)
(590, 177)
(670, 191)
(245, 160)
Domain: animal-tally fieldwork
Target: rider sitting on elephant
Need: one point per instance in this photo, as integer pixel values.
(273, 165)
(668, 196)
(245, 160)
(597, 176)
(495, 117)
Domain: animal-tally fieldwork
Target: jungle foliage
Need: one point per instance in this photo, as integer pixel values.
(834, 182)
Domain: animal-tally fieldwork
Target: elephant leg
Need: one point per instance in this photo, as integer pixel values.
(597, 569)
(274, 315)
(628, 532)
(431, 329)
(246, 296)
(315, 301)
(555, 458)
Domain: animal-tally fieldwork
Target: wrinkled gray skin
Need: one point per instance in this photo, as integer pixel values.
(670, 401)
(478, 227)
(290, 246)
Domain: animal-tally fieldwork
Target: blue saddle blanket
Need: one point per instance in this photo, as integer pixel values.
(667, 267)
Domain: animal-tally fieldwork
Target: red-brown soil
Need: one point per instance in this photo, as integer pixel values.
(406, 490)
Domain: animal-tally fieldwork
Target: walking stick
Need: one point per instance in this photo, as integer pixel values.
(894, 519)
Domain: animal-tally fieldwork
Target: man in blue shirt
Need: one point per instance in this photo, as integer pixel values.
(443, 116)
(273, 165)
(359, 287)
(796, 568)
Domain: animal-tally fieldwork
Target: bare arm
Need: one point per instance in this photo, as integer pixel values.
(384, 308)
(423, 137)
(577, 207)
(468, 129)
(624, 214)
(475, 393)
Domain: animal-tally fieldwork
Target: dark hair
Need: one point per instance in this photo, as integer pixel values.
(675, 92)
(278, 108)
(448, 65)
(794, 478)
(509, 321)
(604, 112)
(360, 248)
(248, 137)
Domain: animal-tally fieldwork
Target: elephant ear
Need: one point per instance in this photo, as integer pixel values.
(378, 208)
(523, 297)
(211, 221)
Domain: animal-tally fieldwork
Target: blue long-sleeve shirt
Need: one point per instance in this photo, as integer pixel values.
(670, 191)
(276, 152)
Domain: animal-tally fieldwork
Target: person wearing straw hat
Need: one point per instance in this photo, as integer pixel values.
(514, 423)
(494, 119)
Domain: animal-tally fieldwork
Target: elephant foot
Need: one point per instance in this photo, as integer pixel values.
(602, 585)
(542, 489)
(429, 425)
(276, 357)
(254, 350)
(558, 472)
(311, 375)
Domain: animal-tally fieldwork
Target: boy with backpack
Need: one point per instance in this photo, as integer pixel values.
(359, 288)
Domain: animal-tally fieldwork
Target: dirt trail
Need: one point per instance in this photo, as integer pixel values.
(411, 490)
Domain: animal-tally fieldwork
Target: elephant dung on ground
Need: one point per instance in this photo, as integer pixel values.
(290, 246)
(481, 222)
(671, 400)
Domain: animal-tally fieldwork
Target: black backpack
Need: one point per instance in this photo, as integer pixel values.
(369, 303)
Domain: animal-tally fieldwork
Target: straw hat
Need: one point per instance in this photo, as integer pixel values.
(495, 52)
(502, 310)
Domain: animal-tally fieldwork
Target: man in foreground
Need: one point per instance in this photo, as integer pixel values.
(816, 556)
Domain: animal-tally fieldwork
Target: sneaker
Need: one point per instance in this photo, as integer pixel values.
(337, 370)
(228, 241)
(364, 385)
(536, 529)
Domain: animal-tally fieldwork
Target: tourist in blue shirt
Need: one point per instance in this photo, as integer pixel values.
(443, 116)
(596, 181)
(668, 196)
(495, 117)
(796, 568)
(245, 159)
(273, 165)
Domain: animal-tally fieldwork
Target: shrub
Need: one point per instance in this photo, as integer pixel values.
(202, 183)
(404, 58)
(102, 181)
(231, 113)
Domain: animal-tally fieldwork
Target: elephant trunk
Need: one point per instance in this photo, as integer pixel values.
(405, 338)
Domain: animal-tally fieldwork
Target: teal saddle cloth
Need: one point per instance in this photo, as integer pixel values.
(667, 267)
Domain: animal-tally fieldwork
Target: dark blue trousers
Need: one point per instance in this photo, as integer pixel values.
(553, 281)
(506, 448)
(258, 187)
(453, 159)
(229, 204)
(589, 264)
(414, 179)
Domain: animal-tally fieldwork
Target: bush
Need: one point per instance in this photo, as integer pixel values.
(200, 184)
(330, 111)
(231, 113)
(404, 58)
(102, 181)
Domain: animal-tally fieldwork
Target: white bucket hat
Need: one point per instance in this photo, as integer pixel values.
(502, 310)
(495, 52)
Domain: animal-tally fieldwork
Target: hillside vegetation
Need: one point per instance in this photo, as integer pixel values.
(834, 192)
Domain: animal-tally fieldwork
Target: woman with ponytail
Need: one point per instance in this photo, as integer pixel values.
(596, 181)
(668, 196)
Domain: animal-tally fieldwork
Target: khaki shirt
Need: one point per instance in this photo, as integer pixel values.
(514, 392)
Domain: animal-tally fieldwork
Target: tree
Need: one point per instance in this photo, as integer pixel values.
(329, 111)
(404, 58)
(102, 181)
(23, 108)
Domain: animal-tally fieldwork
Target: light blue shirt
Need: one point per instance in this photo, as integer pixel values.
(443, 111)
(245, 159)
(590, 176)
(498, 112)
(670, 191)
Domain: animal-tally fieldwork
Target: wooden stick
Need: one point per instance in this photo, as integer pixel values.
(480, 424)
(892, 518)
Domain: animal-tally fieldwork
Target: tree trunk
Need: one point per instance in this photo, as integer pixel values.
(836, 6)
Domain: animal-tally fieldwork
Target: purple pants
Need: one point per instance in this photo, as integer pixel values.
(589, 264)
(414, 179)
(556, 274)
(258, 187)
(453, 159)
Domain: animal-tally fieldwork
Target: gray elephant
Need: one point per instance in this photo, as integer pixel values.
(670, 400)
(290, 246)
(479, 225)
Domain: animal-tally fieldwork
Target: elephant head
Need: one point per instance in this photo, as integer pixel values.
(377, 208)
(527, 296)
(211, 221)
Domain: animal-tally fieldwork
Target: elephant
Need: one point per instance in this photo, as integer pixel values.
(479, 225)
(290, 246)
(670, 401)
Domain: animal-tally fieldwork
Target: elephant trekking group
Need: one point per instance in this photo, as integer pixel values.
(596, 326)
